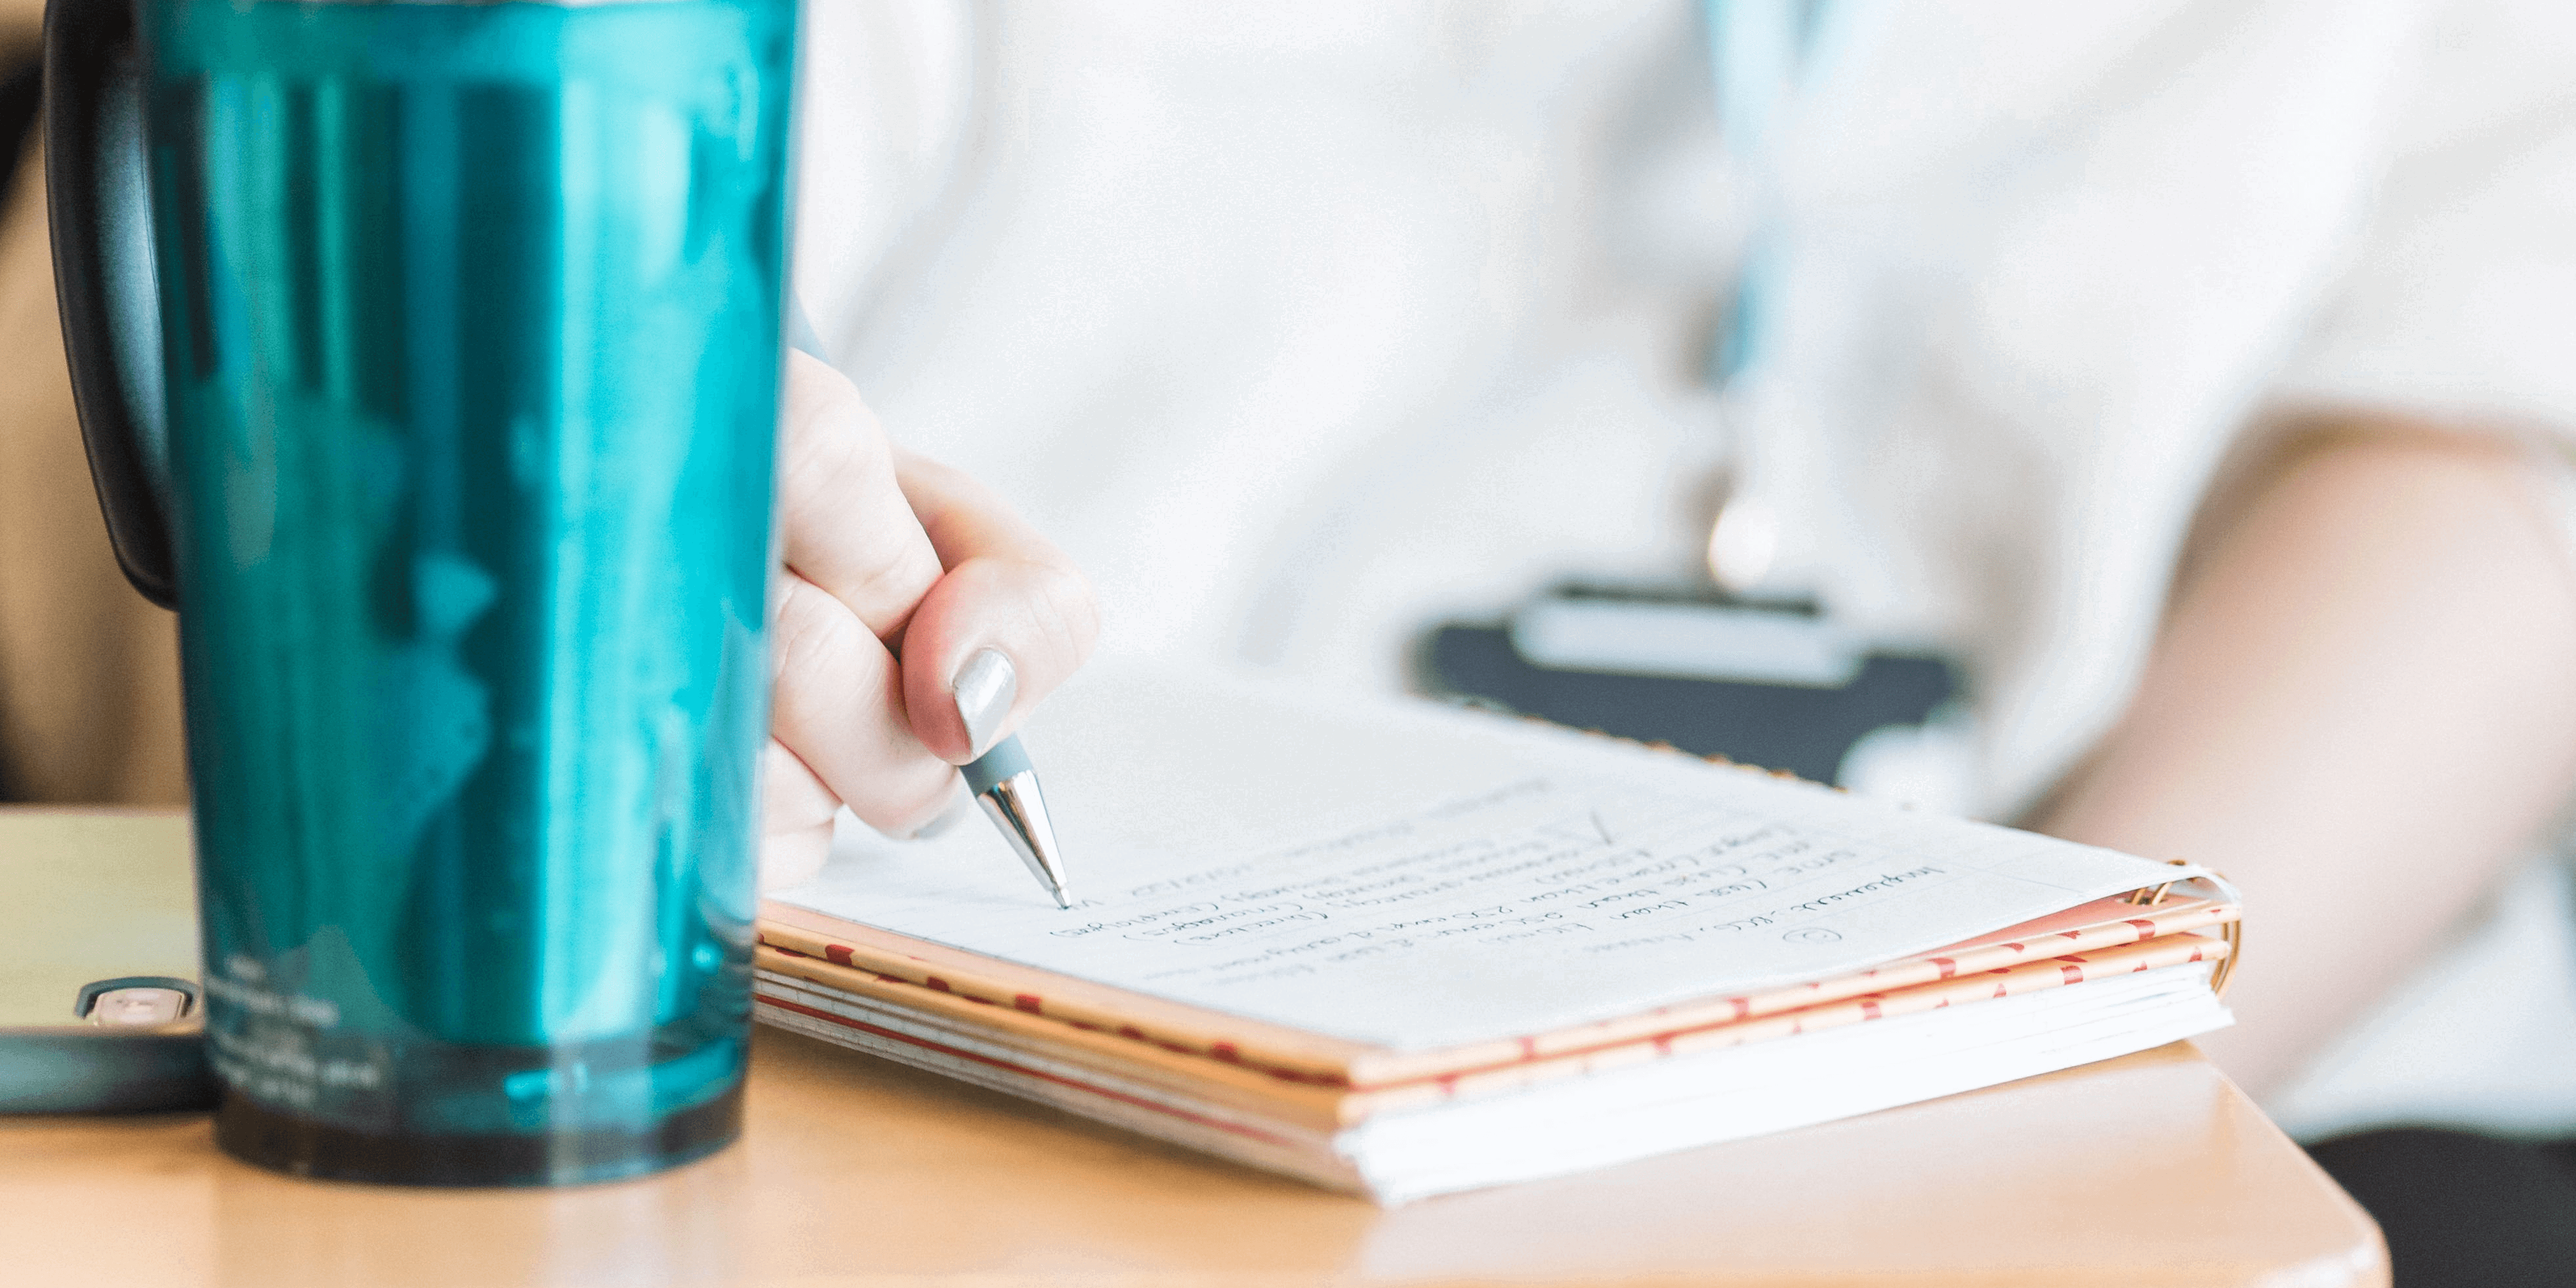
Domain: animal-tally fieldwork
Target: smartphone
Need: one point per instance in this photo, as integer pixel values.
(100, 1000)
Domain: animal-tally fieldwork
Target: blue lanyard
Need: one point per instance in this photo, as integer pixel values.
(1758, 51)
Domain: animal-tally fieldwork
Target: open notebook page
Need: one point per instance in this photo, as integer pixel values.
(1415, 876)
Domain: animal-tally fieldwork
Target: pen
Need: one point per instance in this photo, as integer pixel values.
(1002, 779)
(1006, 785)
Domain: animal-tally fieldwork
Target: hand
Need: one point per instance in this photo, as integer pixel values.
(900, 574)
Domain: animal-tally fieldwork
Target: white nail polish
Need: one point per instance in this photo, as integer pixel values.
(985, 688)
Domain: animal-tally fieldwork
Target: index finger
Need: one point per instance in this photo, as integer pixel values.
(848, 528)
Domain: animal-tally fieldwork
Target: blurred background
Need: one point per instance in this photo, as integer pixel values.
(90, 672)
(1347, 339)
(1423, 344)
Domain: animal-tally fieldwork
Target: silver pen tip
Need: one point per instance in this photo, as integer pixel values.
(1020, 811)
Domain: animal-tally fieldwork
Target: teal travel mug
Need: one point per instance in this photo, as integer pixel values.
(428, 356)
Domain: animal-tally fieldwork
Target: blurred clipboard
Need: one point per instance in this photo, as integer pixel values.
(1768, 683)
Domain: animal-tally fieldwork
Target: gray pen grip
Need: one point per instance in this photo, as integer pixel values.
(1004, 760)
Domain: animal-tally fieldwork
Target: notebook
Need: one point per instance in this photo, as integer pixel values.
(1401, 949)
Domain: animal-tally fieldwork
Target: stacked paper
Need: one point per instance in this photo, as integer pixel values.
(1404, 950)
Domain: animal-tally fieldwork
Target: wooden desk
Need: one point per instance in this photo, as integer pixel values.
(2150, 1170)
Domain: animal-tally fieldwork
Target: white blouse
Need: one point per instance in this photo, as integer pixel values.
(1305, 326)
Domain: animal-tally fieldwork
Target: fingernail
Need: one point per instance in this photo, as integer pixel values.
(984, 688)
(960, 804)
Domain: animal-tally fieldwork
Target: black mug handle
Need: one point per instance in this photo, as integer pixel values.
(98, 206)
